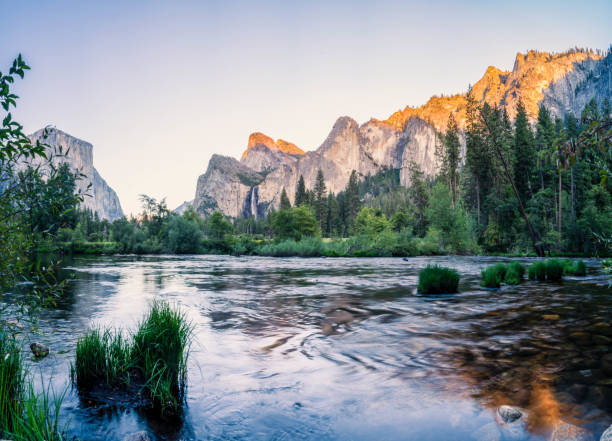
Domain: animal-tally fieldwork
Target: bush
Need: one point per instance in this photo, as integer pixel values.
(554, 269)
(158, 352)
(537, 271)
(435, 279)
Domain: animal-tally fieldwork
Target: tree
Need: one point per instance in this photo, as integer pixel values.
(217, 226)
(301, 196)
(370, 221)
(285, 204)
(353, 202)
(450, 156)
(497, 139)
(524, 154)
(320, 199)
(419, 198)
(295, 223)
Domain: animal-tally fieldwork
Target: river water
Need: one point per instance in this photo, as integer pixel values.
(344, 349)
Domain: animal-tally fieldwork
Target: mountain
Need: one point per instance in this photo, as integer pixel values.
(101, 198)
(562, 82)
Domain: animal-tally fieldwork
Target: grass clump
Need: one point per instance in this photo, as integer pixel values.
(514, 273)
(160, 351)
(493, 276)
(154, 359)
(435, 279)
(554, 269)
(25, 414)
(101, 356)
(574, 268)
(551, 270)
(537, 271)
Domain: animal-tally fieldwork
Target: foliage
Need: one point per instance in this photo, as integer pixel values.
(435, 279)
(574, 268)
(551, 270)
(537, 271)
(514, 273)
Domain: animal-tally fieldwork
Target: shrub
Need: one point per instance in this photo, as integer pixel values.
(158, 351)
(435, 279)
(554, 269)
(537, 271)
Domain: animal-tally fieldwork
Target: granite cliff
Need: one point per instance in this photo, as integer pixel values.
(100, 198)
(563, 82)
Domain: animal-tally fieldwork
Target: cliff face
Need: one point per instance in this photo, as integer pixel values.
(100, 198)
(562, 82)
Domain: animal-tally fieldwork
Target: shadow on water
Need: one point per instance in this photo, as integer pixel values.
(345, 348)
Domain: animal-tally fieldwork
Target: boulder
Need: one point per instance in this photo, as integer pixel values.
(39, 350)
(607, 435)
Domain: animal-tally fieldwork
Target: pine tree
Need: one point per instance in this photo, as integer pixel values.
(320, 199)
(285, 204)
(353, 202)
(450, 156)
(300, 193)
(524, 153)
(419, 198)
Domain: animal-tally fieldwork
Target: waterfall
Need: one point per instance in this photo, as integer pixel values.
(253, 198)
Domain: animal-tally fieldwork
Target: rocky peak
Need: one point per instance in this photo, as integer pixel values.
(78, 154)
(259, 139)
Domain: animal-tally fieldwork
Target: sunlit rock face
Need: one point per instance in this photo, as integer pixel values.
(563, 82)
(100, 197)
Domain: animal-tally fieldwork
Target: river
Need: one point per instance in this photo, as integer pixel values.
(344, 349)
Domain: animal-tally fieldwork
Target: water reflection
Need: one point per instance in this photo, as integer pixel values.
(345, 348)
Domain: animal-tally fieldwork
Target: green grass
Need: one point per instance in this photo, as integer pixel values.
(25, 415)
(551, 270)
(160, 351)
(537, 271)
(493, 276)
(574, 268)
(155, 355)
(435, 279)
(514, 273)
(101, 355)
(554, 270)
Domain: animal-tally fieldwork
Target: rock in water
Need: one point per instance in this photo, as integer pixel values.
(39, 350)
(509, 414)
(568, 432)
(137, 436)
(607, 435)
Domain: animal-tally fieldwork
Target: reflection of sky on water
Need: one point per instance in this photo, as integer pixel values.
(336, 348)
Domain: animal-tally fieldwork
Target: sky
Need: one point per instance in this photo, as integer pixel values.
(158, 87)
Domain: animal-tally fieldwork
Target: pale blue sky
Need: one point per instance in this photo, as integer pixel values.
(158, 87)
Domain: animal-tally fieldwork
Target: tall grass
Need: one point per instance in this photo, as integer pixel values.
(551, 269)
(537, 271)
(514, 273)
(435, 279)
(25, 415)
(155, 355)
(493, 276)
(574, 268)
(160, 351)
(101, 355)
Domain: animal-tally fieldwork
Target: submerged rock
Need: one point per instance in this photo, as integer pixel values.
(607, 435)
(137, 436)
(509, 414)
(568, 432)
(39, 350)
